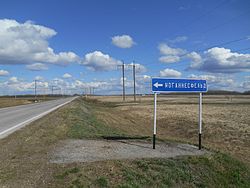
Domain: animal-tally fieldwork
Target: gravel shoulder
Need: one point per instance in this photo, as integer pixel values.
(70, 151)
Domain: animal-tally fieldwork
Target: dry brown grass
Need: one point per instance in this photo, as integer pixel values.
(12, 101)
(226, 120)
(6, 102)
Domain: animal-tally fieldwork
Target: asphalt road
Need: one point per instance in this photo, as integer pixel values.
(13, 118)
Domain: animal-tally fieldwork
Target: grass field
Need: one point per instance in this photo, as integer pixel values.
(26, 153)
(226, 120)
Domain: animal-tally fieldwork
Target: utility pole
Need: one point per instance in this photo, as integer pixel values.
(54, 85)
(123, 81)
(134, 81)
(60, 91)
(44, 93)
(35, 91)
(52, 89)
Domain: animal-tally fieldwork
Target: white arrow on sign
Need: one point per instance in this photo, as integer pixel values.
(158, 85)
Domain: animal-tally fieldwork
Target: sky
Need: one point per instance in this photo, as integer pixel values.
(72, 46)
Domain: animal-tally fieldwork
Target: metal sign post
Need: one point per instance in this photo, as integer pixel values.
(200, 120)
(155, 108)
(163, 85)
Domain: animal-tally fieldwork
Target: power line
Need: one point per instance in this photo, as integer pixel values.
(220, 44)
(216, 26)
(198, 18)
(205, 14)
(224, 23)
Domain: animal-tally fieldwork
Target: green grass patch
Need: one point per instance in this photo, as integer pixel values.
(84, 123)
(67, 172)
(102, 182)
(218, 170)
(214, 170)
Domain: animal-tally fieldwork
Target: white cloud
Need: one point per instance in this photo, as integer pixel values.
(100, 62)
(217, 81)
(182, 8)
(98, 85)
(222, 60)
(195, 58)
(147, 77)
(15, 84)
(170, 55)
(179, 39)
(67, 75)
(169, 59)
(58, 81)
(138, 67)
(128, 83)
(170, 73)
(37, 67)
(4, 73)
(246, 85)
(24, 43)
(13, 79)
(143, 78)
(123, 41)
(167, 50)
(38, 78)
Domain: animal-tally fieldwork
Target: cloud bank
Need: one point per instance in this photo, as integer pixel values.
(220, 60)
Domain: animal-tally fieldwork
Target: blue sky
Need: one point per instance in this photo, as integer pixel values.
(80, 44)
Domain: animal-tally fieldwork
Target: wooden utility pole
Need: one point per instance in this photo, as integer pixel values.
(35, 90)
(134, 81)
(123, 80)
(52, 89)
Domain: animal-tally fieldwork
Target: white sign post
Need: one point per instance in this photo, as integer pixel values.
(162, 85)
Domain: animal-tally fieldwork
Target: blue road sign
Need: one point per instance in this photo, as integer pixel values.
(161, 85)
